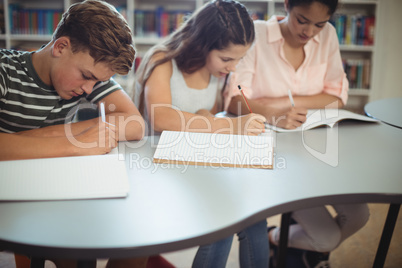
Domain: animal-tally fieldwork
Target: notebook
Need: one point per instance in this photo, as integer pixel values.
(325, 117)
(64, 178)
(211, 149)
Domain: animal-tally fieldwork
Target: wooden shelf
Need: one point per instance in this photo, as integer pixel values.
(359, 92)
(356, 48)
(30, 37)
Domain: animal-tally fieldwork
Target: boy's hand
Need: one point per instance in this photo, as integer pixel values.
(98, 139)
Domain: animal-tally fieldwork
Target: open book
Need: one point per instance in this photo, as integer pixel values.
(210, 149)
(325, 117)
(64, 178)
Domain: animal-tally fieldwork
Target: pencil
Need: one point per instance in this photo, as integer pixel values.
(102, 111)
(244, 97)
(291, 98)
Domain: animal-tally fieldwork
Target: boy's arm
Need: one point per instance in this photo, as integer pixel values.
(98, 139)
(120, 111)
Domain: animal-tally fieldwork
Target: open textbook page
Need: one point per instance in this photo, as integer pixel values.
(325, 117)
(210, 149)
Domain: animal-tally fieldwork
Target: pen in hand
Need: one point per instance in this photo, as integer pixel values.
(103, 117)
(244, 97)
(291, 98)
(102, 111)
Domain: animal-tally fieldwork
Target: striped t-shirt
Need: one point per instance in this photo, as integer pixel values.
(26, 102)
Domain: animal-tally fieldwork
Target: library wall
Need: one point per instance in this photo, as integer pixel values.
(388, 57)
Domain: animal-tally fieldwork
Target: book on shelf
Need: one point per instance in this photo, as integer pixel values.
(325, 117)
(2, 20)
(161, 22)
(137, 62)
(354, 29)
(358, 72)
(158, 22)
(33, 21)
(256, 15)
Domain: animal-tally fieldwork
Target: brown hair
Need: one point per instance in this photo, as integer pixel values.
(97, 27)
(216, 25)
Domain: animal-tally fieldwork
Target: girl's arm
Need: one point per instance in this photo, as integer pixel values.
(163, 116)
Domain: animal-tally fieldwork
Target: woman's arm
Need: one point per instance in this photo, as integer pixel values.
(318, 101)
(284, 116)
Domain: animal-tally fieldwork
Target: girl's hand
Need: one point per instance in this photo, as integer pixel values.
(204, 112)
(250, 124)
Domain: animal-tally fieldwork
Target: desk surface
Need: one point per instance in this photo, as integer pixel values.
(387, 110)
(171, 207)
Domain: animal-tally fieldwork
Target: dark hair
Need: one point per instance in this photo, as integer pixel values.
(331, 4)
(216, 25)
(96, 27)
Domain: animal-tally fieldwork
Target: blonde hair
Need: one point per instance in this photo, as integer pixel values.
(98, 28)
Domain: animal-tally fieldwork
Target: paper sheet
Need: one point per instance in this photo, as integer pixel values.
(215, 149)
(82, 177)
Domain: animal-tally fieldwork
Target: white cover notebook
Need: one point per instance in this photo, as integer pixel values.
(325, 117)
(222, 150)
(64, 178)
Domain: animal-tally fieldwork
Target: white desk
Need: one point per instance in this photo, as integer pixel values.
(175, 207)
(387, 110)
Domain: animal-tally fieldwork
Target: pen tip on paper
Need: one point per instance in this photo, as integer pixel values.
(239, 87)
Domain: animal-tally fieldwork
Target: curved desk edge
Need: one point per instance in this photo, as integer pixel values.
(129, 252)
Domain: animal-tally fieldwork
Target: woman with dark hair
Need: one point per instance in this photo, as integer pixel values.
(177, 86)
(299, 53)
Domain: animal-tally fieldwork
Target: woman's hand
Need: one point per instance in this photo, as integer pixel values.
(290, 119)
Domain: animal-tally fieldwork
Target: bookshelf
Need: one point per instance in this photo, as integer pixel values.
(135, 12)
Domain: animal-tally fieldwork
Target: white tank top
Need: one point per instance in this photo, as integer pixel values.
(184, 98)
(188, 99)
